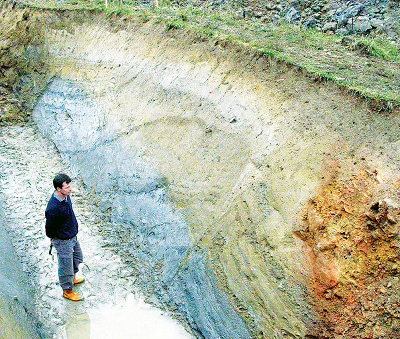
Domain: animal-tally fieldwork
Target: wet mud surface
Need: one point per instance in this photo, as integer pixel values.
(28, 162)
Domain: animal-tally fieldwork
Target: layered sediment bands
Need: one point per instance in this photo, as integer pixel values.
(203, 153)
(170, 127)
(144, 225)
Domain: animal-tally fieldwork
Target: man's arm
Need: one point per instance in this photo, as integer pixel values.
(52, 222)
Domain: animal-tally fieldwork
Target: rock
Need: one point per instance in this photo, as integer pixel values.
(392, 219)
(330, 16)
(342, 21)
(328, 271)
(218, 3)
(361, 25)
(292, 15)
(329, 26)
(342, 31)
(354, 10)
(105, 204)
(375, 15)
(270, 6)
(377, 23)
(276, 18)
(351, 12)
(311, 22)
(5, 44)
(239, 14)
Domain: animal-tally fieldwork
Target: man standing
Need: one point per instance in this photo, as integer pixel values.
(62, 228)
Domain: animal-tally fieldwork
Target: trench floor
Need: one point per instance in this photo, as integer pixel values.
(113, 307)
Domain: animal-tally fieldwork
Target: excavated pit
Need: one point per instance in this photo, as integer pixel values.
(243, 197)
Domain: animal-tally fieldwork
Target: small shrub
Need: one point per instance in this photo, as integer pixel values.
(174, 25)
(144, 17)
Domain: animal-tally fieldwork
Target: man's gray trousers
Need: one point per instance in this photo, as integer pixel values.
(69, 256)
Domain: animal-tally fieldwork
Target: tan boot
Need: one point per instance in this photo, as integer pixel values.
(78, 280)
(71, 295)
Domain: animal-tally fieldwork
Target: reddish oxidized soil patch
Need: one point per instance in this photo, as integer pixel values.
(351, 232)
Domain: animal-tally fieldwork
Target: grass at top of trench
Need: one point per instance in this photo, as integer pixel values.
(284, 41)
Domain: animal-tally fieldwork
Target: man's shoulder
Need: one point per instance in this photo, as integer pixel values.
(52, 203)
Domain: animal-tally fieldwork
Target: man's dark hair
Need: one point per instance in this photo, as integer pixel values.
(59, 179)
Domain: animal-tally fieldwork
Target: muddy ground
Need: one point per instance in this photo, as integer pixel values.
(113, 306)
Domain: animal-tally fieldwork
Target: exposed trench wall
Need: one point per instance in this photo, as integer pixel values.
(200, 132)
(150, 235)
(235, 143)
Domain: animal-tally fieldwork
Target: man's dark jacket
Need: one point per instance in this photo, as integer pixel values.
(61, 222)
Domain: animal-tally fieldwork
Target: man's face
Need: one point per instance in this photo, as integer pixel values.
(66, 188)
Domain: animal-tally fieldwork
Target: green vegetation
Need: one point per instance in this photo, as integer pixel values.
(379, 47)
(369, 66)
